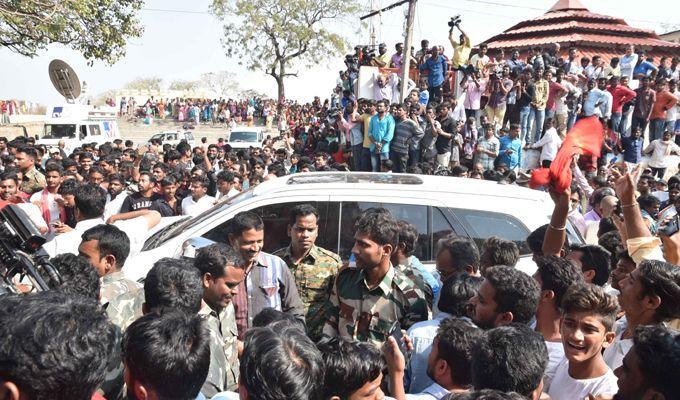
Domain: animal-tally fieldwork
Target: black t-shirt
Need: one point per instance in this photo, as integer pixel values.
(136, 201)
(443, 145)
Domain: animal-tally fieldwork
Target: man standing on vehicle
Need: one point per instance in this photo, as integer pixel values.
(380, 133)
(374, 299)
(33, 181)
(269, 283)
(313, 268)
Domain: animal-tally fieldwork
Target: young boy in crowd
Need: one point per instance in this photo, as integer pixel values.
(588, 315)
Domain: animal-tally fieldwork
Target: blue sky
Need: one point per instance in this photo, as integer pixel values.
(181, 45)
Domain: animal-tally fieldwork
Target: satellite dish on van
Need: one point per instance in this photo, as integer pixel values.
(65, 80)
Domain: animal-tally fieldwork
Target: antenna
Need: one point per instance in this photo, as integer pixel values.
(65, 80)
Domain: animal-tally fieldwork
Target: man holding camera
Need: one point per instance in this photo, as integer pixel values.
(461, 54)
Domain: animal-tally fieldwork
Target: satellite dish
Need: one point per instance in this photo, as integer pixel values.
(65, 80)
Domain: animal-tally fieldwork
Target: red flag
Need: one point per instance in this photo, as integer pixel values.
(584, 138)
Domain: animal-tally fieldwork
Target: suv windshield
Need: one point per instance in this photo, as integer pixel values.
(243, 137)
(59, 131)
(176, 227)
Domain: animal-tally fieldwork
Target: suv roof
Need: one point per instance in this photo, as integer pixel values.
(396, 182)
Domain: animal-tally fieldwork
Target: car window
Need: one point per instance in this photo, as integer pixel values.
(275, 218)
(188, 136)
(94, 130)
(484, 224)
(414, 214)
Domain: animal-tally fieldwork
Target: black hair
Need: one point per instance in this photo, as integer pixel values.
(29, 151)
(173, 284)
(201, 180)
(168, 180)
(611, 241)
(349, 366)
(54, 167)
(116, 177)
(558, 275)
(658, 351)
(455, 339)
(485, 394)
(516, 292)
(183, 147)
(169, 353)
(662, 279)
(224, 175)
(456, 292)
(110, 241)
(591, 299)
(464, 252)
(408, 235)
(379, 225)
(90, 200)
(497, 251)
(597, 258)
(302, 210)
(605, 226)
(68, 187)
(78, 276)
(269, 316)
(9, 175)
(509, 358)
(301, 375)
(647, 201)
(74, 331)
(244, 221)
(215, 258)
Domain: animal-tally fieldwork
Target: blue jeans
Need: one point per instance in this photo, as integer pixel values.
(357, 154)
(536, 116)
(571, 120)
(524, 122)
(366, 159)
(656, 128)
(616, 123)
(376, 159)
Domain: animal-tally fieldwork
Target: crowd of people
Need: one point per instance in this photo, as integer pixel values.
(597, 320)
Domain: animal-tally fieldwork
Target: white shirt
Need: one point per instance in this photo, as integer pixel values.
(422, 335)
(628, 65)
(560, 105)
(613, 355)
(434, 391)
(672, 113)
(549, 144)
(112, 207)
(136, 229)
(564, 387)
(192, 208)
(51, 204)
(660, 150)
(555, 358)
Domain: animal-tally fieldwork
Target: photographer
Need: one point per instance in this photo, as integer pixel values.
(382, 60)
(461, 54)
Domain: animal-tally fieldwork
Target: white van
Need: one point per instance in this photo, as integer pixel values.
(243, 137)
(77, 124)
(436, 205)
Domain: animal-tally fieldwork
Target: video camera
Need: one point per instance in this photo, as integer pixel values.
(453, 22)
(21, 255)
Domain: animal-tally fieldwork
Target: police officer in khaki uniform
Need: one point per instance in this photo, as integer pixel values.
(313, 267)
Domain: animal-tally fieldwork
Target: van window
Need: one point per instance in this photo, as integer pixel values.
(414, 214)
(275, 218)
(94, 130)
(83, 132)
(484, 224)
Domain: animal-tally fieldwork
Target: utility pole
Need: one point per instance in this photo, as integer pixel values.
(406, 63)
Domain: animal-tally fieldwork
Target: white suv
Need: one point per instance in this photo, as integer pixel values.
(436, 205)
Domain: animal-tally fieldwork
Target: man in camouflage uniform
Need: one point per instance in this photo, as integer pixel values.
(370, 301)
(32, 180)
(107, 247)
(313, 268)
(221, 274)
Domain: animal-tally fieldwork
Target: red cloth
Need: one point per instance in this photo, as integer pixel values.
(585, 138)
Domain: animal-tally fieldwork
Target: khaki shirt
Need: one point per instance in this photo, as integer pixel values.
(33, 181)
